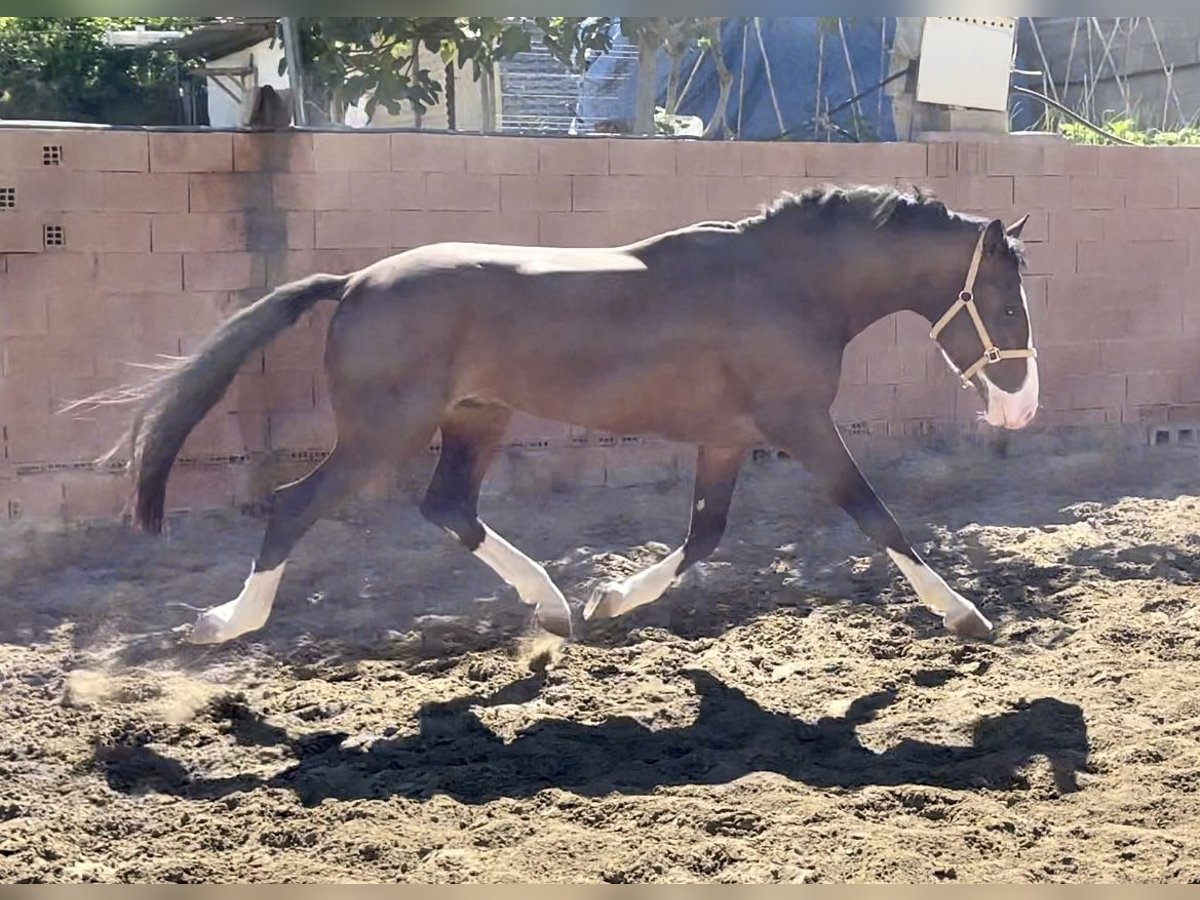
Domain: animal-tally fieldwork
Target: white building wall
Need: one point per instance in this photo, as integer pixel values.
(265, 57)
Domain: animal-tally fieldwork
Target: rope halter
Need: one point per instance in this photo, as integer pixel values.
(966, 300)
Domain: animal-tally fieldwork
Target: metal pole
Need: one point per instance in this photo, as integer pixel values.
(291, 51)
(487, 92)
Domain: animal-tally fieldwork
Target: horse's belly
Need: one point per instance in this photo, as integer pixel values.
(697, 405)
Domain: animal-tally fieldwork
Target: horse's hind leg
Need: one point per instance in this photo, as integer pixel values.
(360, 454)
(470, 435)
(716, 477)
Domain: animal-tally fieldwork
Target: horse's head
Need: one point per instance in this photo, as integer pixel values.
(986, 335)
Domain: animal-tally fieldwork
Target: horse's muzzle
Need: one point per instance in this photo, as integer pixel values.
(1012, 410)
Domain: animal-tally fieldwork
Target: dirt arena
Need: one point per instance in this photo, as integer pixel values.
(789, 714)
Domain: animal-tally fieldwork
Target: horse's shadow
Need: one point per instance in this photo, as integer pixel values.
(455, 754)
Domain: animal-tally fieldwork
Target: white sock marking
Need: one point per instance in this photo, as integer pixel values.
(619, 597)
(531, 581)
(248, 612)
(958, 614)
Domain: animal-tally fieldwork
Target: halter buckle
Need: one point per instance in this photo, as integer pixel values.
(992, 354)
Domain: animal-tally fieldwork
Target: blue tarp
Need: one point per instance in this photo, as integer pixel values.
(792, 47)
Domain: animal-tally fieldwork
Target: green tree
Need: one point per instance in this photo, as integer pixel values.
(399, 62)
(61, 68)
(402, 62)
(674, 37)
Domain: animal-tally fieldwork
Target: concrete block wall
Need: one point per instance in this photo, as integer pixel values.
(120, 247)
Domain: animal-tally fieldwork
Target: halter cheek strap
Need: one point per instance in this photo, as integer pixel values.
(966, 300)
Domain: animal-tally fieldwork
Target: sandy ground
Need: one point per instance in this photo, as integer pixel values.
(788, 714)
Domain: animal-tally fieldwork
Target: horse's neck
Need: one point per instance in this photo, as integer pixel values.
(900, 276)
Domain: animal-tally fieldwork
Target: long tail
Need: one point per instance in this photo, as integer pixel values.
(174, 402)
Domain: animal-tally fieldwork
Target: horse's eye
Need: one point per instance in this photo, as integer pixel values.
(1010, 310)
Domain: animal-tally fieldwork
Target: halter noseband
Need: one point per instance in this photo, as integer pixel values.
(966, 300)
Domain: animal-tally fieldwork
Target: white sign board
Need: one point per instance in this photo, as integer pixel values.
(967, 61)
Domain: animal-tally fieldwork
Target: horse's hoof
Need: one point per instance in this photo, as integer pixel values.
(205, 631)
(968, 623)
(556, 619)
(605, 602)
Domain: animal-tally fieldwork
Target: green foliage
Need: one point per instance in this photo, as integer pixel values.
(668, 124)
(61, 69)
(833, 25)
(667, 30)
(674, 37)
(569, 39)
(388, 60)
(1129, 130)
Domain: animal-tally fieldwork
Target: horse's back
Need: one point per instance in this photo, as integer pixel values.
(444, 261)
(435, 302)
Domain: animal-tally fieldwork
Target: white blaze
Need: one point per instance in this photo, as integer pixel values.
(1015, 410)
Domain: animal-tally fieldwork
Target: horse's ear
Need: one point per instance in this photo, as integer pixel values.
(994, 238)
(1014, 230)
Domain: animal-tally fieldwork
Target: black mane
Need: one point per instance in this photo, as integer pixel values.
(873, 206)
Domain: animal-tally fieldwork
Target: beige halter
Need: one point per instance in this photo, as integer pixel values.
(966, 300)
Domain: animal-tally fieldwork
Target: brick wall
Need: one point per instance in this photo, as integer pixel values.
(163, 234)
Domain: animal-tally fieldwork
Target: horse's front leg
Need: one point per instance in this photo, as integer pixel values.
(811, 437)
(716, 477)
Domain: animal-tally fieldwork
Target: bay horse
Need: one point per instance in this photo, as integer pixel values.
(724, 335)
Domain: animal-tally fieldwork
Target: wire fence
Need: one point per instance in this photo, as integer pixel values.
(1134, 68)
